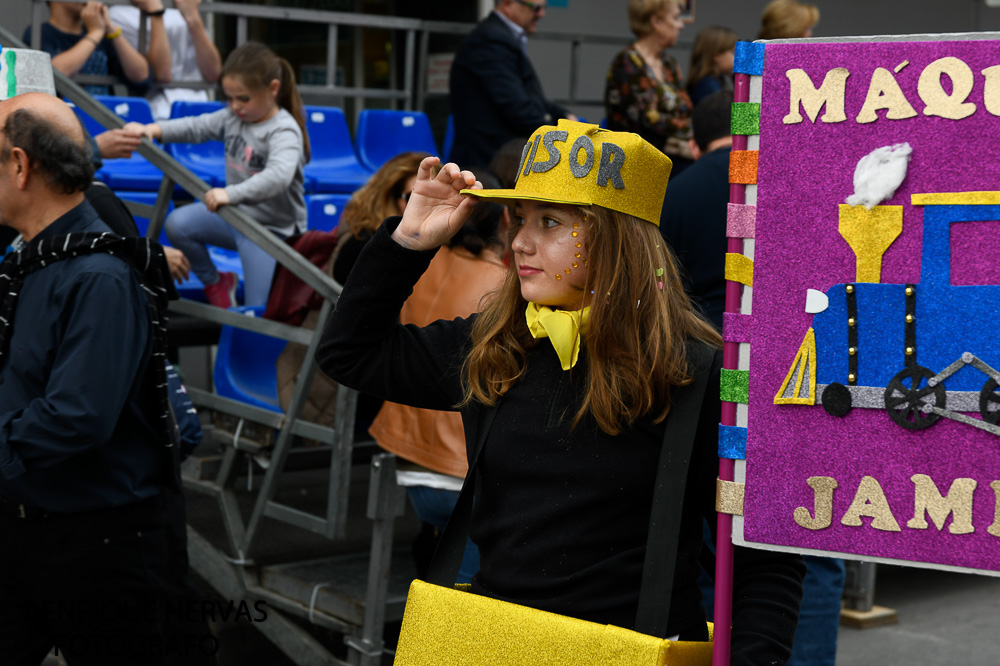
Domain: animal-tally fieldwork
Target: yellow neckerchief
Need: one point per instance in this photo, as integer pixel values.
(561, 327)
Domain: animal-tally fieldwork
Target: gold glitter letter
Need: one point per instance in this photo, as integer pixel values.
(994, 529)
(991, 89)
(940, 103)
(823, 501)
(831, 93)
(958, 502)
(870, 501)
(884, 93)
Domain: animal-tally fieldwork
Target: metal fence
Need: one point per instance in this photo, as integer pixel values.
(411, 90)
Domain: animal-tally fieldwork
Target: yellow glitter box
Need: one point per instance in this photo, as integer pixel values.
(448, 626)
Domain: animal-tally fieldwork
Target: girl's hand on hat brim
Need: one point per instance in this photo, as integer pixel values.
(436, 209)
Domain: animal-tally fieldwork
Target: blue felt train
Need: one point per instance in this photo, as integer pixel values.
(921, 351)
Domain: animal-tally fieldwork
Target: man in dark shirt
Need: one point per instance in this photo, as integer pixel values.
(82, 461)
(495, 94)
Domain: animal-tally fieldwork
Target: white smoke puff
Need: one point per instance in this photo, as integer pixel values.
(879, 174)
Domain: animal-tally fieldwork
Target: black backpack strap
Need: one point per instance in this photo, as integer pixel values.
(448, 555)
(668, 497)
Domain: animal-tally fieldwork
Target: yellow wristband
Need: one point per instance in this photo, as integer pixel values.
(114, 35)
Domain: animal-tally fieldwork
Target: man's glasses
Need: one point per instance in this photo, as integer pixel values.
(537, 7)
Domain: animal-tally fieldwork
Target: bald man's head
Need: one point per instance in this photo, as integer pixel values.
(54, 110)
(50, 134)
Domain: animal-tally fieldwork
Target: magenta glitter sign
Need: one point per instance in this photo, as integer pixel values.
(873, 421)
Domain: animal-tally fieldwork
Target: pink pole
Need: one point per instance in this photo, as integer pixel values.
(730, 359)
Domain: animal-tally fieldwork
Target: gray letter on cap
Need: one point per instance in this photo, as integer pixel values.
(581, 170)
(524, 154)
(610, 168)
(548, 139)
(531, 157)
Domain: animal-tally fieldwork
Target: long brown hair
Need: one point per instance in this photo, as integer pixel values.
(257, 66)
(377, 199)
(710, 42)
(636, 345)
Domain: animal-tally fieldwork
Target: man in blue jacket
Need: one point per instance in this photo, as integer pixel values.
(86, 445)
(495, 93)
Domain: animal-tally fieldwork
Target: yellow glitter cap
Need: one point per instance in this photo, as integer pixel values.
(584, 165)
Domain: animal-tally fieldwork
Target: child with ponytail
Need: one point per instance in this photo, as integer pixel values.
(263, 128)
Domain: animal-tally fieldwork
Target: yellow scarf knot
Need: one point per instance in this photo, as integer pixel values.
(562, 327)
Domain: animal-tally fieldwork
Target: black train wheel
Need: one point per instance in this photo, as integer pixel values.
(989, 402)
(836, 399)
(909, 398)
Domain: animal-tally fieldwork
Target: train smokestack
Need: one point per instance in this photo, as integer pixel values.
(869, 228)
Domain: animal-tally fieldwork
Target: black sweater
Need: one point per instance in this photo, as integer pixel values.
(561, 517)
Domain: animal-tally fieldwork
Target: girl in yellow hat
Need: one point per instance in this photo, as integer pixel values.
(565, 383)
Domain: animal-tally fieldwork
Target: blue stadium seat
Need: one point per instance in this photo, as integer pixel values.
(244, 365)
(131, 173)
(148, 198)
(384, 134)
(449, 139)
(323, 210)
(206, 160)
(334, 167)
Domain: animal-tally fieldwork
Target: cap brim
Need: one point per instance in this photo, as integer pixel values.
(504, 196)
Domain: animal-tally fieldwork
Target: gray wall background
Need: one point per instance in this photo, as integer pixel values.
(837, 18)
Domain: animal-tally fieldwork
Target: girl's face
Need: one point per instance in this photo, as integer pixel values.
(550, 252)
(252, 106)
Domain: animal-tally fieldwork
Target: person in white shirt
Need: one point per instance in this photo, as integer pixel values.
(190, 56)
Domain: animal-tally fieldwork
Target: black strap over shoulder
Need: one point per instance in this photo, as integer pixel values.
(447, 558)
(665, 517)
(668, 497)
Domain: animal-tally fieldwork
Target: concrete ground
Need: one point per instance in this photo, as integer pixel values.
(944, 618)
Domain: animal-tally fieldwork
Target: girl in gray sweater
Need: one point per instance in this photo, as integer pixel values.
(263, 128)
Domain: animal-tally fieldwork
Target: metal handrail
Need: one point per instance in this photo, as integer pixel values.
(173, 171)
